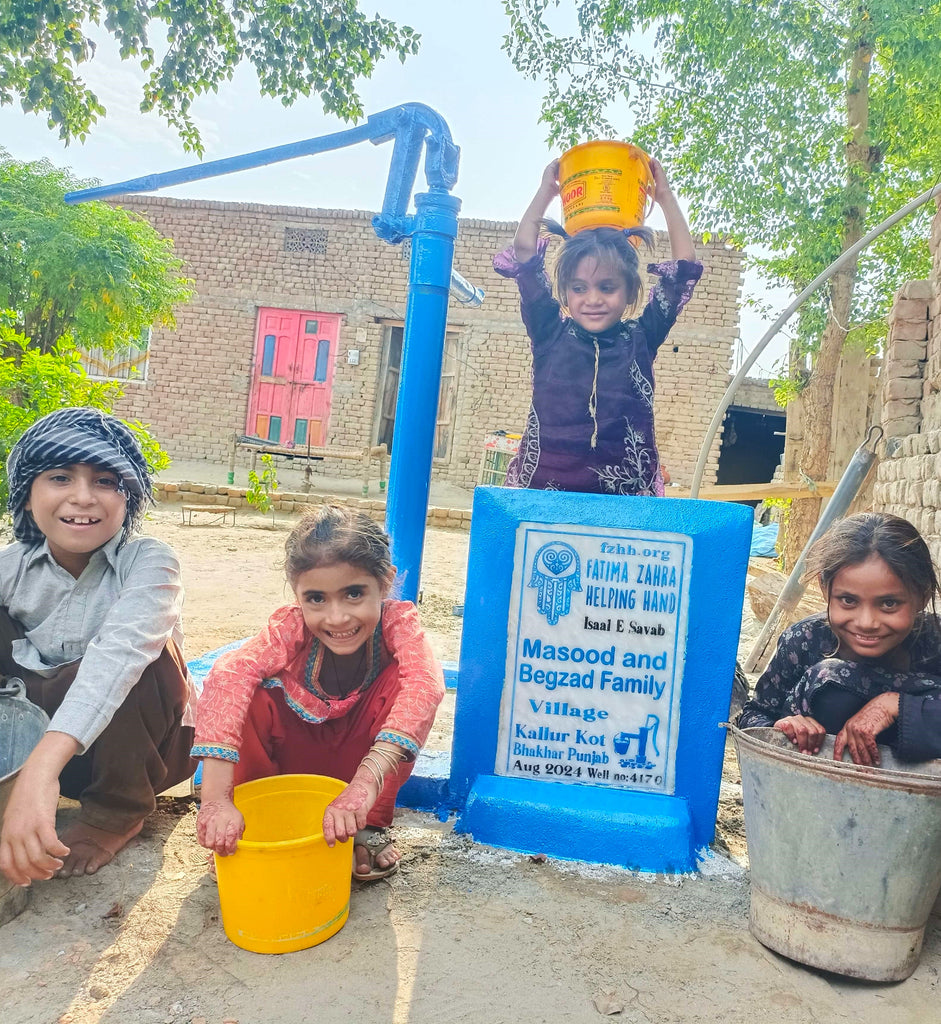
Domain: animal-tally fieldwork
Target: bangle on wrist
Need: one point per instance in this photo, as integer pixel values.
(375, 769)
(392, 758)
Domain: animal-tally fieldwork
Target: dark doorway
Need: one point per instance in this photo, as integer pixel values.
(752, 445)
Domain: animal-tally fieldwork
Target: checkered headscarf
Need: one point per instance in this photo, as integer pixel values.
(77, 435)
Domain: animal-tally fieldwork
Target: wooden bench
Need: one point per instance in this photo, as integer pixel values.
(214, 510)
(314, 453)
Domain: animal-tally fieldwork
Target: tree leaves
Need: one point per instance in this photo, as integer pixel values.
(33, 383)
(746, 105)
(320, 47)
(91, 273)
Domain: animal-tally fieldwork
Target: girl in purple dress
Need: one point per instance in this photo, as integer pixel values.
(591, 425)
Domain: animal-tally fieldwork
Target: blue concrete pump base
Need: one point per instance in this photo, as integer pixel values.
(641, 831)
(426, 789)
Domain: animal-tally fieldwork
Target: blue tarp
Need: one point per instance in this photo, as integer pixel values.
(763, 540)
(199, 667)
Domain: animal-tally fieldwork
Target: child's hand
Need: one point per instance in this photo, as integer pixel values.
(29, 846)
(860, 732)
(346, 815)
(219, 826)
(806, 733)
(661, 185)
(550, 180)
(681, 242)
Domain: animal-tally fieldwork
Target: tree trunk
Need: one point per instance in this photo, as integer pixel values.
(817, 397)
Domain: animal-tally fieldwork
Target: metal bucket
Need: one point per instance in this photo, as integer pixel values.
(22, 725)
(845, 859)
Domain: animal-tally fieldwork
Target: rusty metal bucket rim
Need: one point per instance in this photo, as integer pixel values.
(867, 774)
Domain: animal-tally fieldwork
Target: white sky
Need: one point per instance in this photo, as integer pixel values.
(460, 71)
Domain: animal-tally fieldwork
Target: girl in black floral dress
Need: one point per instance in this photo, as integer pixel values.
(869, 669)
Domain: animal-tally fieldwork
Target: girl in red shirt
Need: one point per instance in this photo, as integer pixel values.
(342, 683)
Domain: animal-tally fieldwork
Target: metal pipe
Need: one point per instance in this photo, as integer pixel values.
(433, 229)
(794, 587)
(408, 124)
(231, 475)
(465, 293)
(839, 262)
(426, 319)
(227, 165)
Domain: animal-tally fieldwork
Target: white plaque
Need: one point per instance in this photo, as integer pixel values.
(595, 651)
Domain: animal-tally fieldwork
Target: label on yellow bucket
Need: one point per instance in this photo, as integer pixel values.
(572, 193)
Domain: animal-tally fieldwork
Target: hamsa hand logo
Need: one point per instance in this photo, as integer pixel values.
(556, 576)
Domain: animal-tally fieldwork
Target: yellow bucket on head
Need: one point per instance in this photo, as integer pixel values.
(605, 185)
(284, 889)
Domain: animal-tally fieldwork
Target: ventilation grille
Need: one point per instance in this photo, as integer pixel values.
(406, 248)
(310, 240)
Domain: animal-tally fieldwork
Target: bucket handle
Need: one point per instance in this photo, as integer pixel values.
(651, 187)
(12, 686)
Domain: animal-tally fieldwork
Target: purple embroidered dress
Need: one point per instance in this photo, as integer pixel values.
(590, 426)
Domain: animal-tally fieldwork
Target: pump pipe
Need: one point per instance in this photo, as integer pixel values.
(836, 265)
(433, 230)
(465, 292)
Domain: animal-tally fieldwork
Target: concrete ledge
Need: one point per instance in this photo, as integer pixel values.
(195, 494)
(654, 832)
(427, 787)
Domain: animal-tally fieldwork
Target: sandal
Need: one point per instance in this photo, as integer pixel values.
(374, 840)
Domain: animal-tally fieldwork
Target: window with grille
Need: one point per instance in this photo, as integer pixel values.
(310, 240)
(126, 363)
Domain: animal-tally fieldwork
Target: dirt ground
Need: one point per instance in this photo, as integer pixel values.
(462, 933)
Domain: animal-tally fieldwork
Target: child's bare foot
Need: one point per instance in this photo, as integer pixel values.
(91, 848)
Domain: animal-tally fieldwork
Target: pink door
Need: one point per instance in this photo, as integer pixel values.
(292, 382)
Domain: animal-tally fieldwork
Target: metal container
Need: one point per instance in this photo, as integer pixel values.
(845, 859)
(22, 725)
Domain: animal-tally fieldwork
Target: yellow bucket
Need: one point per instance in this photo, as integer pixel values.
(605, 185)
(284, 889)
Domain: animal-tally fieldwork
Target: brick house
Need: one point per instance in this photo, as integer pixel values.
(320, 286)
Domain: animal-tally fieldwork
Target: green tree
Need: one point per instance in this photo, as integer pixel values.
(317, 46)
(794, 125)
(88, 276)
(33, 383)
(93, 273)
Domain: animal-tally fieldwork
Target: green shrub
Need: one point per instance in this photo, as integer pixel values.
(263, 486)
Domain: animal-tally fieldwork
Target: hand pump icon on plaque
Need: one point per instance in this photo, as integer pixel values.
(622, 744)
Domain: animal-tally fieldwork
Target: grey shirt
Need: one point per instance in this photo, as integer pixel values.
(116, 617)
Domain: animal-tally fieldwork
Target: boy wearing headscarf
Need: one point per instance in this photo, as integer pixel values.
(90, 619)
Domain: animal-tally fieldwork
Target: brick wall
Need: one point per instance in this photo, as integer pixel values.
(755, 394)
(196, 393)
(908, 480)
